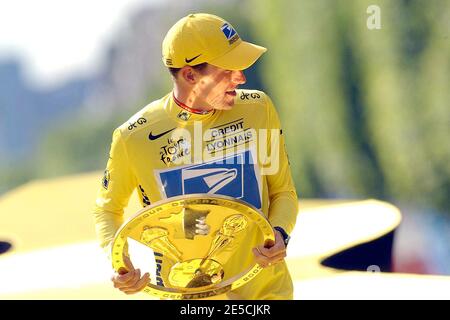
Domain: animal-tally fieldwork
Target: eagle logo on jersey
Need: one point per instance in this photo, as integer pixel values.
(236, 176)
(215, 179)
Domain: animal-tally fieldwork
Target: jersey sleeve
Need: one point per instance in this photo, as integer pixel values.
(117, 186)
(283, 201)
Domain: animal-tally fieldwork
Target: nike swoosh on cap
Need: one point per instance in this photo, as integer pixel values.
(190, 60)
(152, 137)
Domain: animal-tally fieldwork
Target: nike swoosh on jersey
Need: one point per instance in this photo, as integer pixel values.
(152, 137)
(190, 60)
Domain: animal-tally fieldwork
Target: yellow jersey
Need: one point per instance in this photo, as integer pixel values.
(165, 150)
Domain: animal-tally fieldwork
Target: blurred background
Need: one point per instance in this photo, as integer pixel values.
(366, 112)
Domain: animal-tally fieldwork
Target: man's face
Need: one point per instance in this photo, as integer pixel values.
(216, 87)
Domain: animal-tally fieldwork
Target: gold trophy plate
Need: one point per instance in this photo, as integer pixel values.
(195, 238)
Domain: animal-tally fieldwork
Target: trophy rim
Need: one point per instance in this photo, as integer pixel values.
(187, 196)
(178, 293)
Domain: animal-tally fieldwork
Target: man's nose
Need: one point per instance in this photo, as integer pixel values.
(239, 77)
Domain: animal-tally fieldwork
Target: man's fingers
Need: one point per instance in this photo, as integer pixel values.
(269, 243)
(138, 286)
(260, 258)
(123, 278)
(266, 261)
(278, 258)
(122, 271)
(128, 279)
(130, 283)
(270, 248)
(257, 253)
(273, 251)
(128, 263)
(128, 266)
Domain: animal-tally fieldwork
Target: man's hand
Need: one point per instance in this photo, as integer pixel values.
(271, 253)
(129, 280)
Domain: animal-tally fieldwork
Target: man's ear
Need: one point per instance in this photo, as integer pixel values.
(188, 74)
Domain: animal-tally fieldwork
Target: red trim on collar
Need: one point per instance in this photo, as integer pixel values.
(189, 109)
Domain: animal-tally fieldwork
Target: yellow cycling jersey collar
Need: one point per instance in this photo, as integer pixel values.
(185, 114)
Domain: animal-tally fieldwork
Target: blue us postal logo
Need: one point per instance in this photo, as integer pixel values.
(228, 31)
(236, 176)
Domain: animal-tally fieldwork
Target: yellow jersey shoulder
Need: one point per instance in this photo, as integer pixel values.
(147, 116)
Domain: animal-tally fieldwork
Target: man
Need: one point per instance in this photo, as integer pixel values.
(205, 56)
